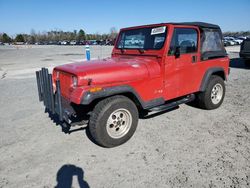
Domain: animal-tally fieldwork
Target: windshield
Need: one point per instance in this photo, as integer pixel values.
(145, 38)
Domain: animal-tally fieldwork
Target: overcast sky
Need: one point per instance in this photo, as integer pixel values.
(20, 16)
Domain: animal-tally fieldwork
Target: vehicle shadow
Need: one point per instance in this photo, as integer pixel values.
(65, 176)
(238, 63)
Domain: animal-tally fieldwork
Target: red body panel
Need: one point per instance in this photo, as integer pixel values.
(152, 74)
(138, 72)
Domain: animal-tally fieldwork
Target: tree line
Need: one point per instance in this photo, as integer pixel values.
(237, 33)
(56, 36)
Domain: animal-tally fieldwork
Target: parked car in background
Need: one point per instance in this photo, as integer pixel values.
(1, 43)
(73, 42)
(91, 42)
(52, 43)
(231, 42)
(65, 42)
(226, 43)
(19, 43)
(238, 40)
(107, 42)
(39, 43)
(242, 37)
(245, 51)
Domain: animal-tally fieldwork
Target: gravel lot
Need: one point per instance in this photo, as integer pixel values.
(186, 147)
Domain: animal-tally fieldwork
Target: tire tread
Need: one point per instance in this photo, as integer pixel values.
(204, 100)
(97, 113)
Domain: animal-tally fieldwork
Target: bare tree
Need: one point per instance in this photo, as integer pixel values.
(113, 33)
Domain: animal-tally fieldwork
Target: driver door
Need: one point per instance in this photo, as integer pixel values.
(181, 62)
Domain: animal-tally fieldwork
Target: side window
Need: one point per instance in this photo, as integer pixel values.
(212, 42)
(185, 39)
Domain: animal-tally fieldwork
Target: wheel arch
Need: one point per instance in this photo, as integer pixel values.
(125, 90)
(218, 71)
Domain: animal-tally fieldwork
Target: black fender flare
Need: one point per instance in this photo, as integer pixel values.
(89, 97)
(208, 74)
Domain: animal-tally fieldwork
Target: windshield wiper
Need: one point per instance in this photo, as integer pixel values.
(141, 50)
(122, 50)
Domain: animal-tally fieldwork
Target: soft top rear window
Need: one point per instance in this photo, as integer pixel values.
(211, 44)
(150, 38)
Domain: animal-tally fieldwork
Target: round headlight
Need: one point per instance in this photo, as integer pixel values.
(74, 81)
(57, 75)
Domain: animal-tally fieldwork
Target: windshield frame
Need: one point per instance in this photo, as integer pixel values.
(139, 28)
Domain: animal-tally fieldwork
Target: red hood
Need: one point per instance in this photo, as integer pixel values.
(112, 70)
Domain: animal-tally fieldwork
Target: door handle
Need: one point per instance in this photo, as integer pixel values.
(194, 58)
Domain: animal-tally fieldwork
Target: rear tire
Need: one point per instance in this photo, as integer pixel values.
(214, 94)
(113, 121)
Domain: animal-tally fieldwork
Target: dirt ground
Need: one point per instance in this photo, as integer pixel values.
(186, 147)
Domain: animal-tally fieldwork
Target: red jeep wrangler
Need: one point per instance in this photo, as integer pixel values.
(152, 68)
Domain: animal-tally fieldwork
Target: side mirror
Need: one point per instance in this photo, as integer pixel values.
(177, 52)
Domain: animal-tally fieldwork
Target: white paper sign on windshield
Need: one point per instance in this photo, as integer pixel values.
(158, 30)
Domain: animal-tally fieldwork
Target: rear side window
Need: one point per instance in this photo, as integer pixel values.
(184, 38)
(212, 42)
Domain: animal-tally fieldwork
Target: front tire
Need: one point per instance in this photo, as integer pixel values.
(113, 121)
(214, 94)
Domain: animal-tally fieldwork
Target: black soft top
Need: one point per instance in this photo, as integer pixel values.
(211, 39)
(202, 25)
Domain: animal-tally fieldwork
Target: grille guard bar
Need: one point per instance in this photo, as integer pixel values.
(51, 100)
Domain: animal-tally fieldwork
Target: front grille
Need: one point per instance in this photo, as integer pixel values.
(52, 99)
(66, 84)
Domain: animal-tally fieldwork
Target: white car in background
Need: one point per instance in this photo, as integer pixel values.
(73, 42)
(238, 40)
(65, 42)
(233, 41)
(230, 42)
(242, 37)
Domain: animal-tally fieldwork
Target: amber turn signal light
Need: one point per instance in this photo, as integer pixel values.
(95, 89)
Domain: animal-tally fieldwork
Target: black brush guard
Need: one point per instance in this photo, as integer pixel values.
(53, 101)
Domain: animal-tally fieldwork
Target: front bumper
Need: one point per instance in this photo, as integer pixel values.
(53, 101)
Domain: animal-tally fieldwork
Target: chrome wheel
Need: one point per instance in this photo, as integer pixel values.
(119, 123)
(217, 93)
